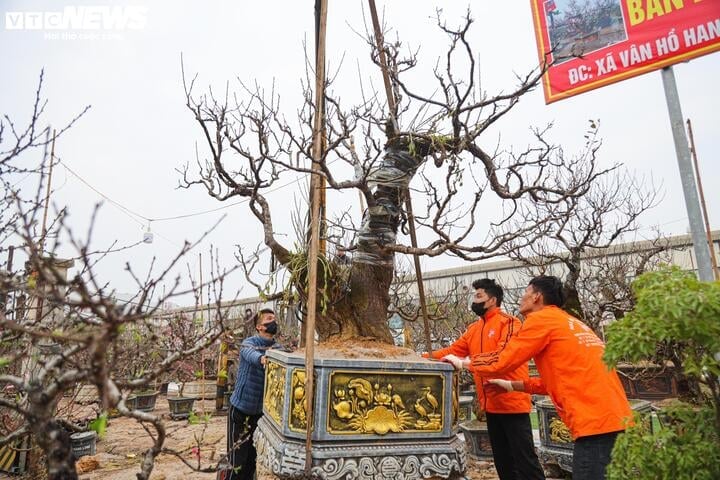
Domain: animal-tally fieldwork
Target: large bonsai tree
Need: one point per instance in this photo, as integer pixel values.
(471, 195)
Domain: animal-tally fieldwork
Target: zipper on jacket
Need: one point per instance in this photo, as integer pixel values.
(482, 338)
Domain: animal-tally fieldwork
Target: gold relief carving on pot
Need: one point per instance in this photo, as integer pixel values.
(298, 414)
(371, 403)
(274, 398)
(559, 432)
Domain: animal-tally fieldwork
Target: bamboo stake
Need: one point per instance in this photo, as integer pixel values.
(39, 304)
(408, 201)
(383, 64)
(202, 326)
(320, 111)
(713, 258)
(418, 272)
(47, 195)
(315, 183)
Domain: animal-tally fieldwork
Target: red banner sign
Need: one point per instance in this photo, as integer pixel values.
(592, 43)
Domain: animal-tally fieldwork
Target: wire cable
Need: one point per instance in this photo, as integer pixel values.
(136, 215)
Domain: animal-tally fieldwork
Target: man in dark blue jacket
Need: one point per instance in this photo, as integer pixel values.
(246, 400)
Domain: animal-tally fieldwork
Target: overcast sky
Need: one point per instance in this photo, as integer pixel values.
(138, 131)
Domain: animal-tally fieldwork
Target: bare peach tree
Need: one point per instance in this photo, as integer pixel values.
(581, 237)
(471, 194)
(60, 330)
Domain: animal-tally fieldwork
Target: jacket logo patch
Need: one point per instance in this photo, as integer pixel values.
(491, 333)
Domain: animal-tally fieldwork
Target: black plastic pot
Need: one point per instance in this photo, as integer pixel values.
(83, 443)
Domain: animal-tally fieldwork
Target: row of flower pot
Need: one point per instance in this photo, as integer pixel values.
(84, 443)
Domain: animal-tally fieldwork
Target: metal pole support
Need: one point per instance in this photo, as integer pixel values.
(687, 176)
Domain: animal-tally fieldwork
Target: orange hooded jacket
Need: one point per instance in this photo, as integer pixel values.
(487, 335)
(588, 395)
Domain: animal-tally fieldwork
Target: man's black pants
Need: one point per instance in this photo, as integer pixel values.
(591, 456)
(513, 447)
(241, 450)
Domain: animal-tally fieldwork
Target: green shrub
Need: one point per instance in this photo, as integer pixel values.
(685, 447)
(676, 319)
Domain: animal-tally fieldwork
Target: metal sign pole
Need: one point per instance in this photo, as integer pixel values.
(687, 176)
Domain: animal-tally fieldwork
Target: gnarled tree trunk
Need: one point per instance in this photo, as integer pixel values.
(363, 311)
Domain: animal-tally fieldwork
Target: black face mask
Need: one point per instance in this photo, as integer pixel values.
(478, 308)
(271, 328)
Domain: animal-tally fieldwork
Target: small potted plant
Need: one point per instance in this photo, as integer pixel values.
(138, 357)
(181, 406)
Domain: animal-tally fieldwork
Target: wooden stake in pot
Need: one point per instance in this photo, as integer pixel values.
(315, 185)
(408, 202)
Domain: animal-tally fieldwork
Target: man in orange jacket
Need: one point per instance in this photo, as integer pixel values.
(508, 415)
(588, 395)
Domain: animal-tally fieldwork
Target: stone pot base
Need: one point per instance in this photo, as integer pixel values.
(477, 439)
(384, 418)
(556, 444)
(378, 460)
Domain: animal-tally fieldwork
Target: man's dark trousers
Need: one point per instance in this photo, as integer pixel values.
(591, 456)
(242, 454)
(513, 447)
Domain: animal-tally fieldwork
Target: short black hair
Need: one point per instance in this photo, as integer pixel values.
(262, 312)
(551, 289)
(491, 288)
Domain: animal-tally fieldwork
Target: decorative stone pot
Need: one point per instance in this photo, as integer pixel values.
(48, 349)
(468, 390)
(648, 382)
(465, 409)
(83, 443)
(180, 407)
(556, 443)
(143, 401)
(205, 389)
(477, 439)
(383, 419)
(532, 369)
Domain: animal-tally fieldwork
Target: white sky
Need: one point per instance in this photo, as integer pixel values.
(138, 130)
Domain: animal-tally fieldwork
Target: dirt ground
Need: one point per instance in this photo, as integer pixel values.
(119, 454)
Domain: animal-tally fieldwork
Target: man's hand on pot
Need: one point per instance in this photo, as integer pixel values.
(457, 362)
